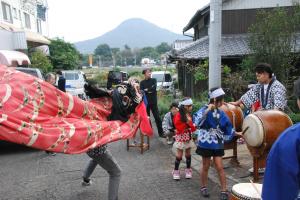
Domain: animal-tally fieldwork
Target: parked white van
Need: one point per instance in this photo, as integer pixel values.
(164, 80)
(75, 81)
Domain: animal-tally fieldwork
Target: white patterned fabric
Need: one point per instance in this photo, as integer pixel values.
(186, 102)
(184, 137)
(276, 96)
(184, 145)
(216, 93)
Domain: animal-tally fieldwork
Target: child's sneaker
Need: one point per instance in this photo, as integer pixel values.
(86, 183)
(169, 141)
(204, 192)
(176, 175)
(188, 173)
(224, 195)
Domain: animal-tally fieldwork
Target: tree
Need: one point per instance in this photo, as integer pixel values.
(41, 61)
(84, 60)
(104, 54)
(147, 52)
(272, 38)
(116, 55)
(127, 56)
(163, 48)
(103, 50)
(63, 55)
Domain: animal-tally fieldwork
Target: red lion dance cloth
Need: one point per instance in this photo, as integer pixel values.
(36, 114)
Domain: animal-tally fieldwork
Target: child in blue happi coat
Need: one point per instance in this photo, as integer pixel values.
(214, 127)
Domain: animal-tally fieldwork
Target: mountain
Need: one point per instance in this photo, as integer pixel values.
(134, 32)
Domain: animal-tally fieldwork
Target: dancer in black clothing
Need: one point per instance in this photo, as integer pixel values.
(148, 85)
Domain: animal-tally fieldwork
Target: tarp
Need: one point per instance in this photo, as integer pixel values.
(36, 114)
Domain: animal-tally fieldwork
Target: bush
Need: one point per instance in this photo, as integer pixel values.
(41, 61)
(100, 78)
(164, 102)
(295, 117)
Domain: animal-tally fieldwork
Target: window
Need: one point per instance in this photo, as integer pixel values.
(27, 20)
(71, 76)
(15, 13)
(39, 25)
(162, 77)
(6, 12)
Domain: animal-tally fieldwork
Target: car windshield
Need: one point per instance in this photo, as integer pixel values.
(31, 72)
(162, 77)
(71, 76)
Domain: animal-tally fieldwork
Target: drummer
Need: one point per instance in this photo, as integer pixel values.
(282, 176)
(269, 91)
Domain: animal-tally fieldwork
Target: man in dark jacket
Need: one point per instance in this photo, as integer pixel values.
(61, 82)
(148, 85)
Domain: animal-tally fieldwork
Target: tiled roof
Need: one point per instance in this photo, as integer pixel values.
(232, 45)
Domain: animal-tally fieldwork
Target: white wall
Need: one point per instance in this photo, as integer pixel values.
(20, 23)
(6, 40)
(250, 4)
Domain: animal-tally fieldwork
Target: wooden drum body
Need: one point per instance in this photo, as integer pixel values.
(262, 128)
(235, 115)
(246, 191)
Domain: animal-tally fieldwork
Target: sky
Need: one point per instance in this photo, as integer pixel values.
(77, 20)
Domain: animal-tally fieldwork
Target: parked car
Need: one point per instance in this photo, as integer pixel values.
(164, 80)
(75, 81)
(115, 78)
(32, 71)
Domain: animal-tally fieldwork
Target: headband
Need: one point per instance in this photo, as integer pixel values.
(216, 93)
(186, 102)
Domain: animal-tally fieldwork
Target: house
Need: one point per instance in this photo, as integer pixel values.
(237, 17)
(24, 25)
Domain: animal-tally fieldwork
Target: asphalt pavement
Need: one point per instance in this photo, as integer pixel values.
(30, 174)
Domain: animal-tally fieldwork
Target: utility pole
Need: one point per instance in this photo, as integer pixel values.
(215, 32)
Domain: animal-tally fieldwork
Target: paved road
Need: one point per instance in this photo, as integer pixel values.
(31, 174)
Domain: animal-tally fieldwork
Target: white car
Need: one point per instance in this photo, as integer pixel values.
(164, 80)
(75, 81)
(32, 71)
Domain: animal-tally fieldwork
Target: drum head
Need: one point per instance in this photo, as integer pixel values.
(247, 191)
(254, 136)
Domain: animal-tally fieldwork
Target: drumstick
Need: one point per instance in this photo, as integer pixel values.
(255, 188)
(244, 131)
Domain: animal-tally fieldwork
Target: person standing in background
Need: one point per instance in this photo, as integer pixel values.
(148, 85)
(61, 84)
(50, 78)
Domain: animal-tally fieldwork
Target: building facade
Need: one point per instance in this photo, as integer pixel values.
(237, 17)
(23, 24)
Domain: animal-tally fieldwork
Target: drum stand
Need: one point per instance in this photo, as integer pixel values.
(259, 160)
